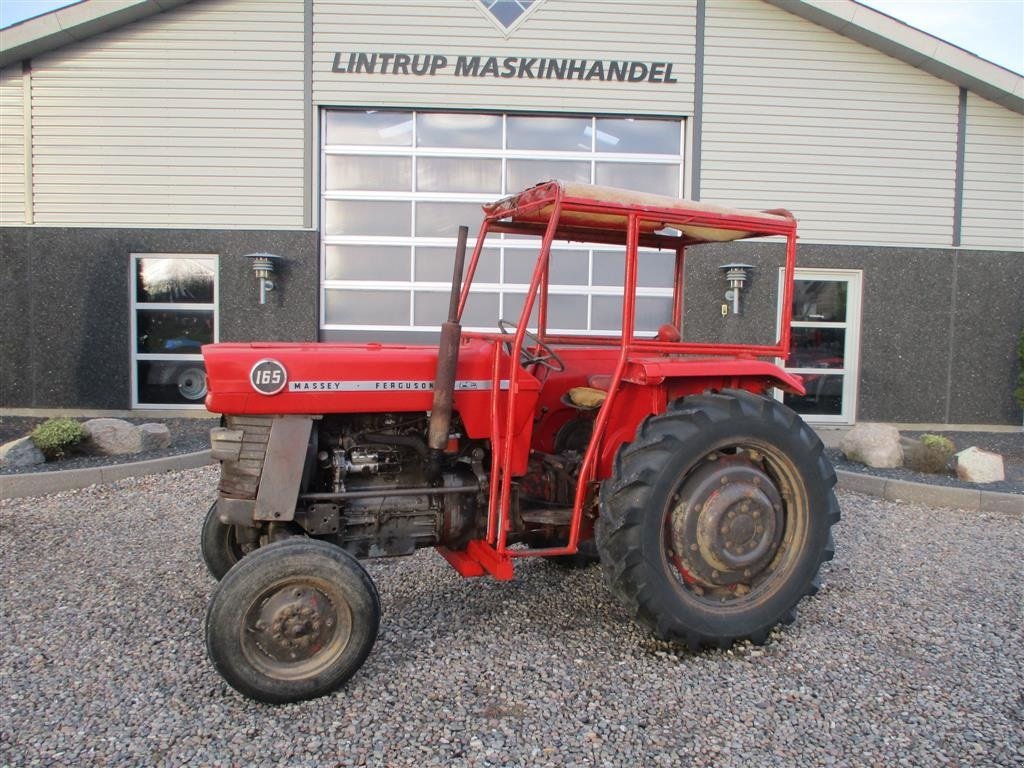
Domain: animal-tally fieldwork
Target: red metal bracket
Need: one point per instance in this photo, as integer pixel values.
(461, 562)
(495, 563)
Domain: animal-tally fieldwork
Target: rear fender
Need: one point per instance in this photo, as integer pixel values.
(649, 385)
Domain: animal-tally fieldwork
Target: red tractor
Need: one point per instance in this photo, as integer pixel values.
(707, 501)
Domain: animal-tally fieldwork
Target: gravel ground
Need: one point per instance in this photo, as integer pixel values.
(910, 655)
(187, 436)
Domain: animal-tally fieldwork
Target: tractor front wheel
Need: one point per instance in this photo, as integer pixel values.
(219, 544)
(717, 518)
(292, 621)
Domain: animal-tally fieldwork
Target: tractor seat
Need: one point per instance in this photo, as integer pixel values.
(584, 398)
(591, 396)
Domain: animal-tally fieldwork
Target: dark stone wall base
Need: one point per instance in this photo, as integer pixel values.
(938, 333)
(66, 303)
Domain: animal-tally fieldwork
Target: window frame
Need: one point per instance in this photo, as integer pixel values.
(854, 279)
(136, 306)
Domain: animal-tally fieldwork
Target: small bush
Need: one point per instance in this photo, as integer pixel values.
(55, 437)
(930, 454)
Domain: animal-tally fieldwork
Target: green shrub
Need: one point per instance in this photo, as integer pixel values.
(54, 437)
(931, 453)
(938, 443)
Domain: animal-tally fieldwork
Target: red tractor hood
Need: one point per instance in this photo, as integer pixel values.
(344, 378)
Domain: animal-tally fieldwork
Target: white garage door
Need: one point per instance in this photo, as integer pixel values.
(395, 186)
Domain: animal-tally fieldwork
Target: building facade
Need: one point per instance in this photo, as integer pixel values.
(147, 147)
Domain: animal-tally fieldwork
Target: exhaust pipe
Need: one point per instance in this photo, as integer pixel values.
(447, 360)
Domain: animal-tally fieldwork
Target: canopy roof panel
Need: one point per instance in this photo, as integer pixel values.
(592, 213)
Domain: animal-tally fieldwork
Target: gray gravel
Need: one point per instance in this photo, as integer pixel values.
(910, 655)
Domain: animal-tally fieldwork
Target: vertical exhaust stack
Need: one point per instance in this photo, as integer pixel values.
(447, 360)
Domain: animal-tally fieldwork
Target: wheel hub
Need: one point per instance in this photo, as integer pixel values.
(293, 623)
(728, 522)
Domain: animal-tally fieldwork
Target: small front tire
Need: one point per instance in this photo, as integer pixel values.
(292, 621)
(219, 545)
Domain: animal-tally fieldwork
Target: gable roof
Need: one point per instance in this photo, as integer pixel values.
(858, 22)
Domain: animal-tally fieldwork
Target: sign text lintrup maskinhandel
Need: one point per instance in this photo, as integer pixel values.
(508, 67)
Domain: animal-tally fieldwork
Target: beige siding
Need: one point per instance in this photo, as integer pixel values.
(643, 30)
(12, 148)
(860, 146)
(993, 177)
(191, 118)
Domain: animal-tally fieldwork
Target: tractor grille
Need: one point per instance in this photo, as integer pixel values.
(240, 478)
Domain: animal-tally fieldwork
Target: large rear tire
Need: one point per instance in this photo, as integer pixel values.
(717, 518)
(292, 621)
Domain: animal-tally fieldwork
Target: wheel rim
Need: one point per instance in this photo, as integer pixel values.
(192, 383)
(296, 628)
(732, 526)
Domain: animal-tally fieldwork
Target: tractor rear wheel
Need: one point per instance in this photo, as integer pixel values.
(717, 518)
(292, 621)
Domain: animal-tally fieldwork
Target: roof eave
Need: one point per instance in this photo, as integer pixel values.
(919, 49)
(73, 23)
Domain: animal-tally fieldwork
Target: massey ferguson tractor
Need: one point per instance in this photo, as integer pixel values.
(708, 502)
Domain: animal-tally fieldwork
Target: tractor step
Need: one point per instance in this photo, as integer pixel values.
(479, 558)
(547, 515)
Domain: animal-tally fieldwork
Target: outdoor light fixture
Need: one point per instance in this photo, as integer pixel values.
(736, 275)
(263, 266)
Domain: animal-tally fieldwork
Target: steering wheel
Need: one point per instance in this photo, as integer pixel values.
(544, 354)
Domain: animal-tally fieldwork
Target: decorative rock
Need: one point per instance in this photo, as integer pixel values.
(108, 437)
(153, 436)
(977, 466)
(20, 453)
(876, 445)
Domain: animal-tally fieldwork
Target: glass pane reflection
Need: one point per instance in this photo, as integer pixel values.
(367, 217)
(523, 174)
(820, 300)
(816, 348)
(178, 280)
(640, 136)
(177, 382)
(458, 174)
(646, 177)
(367, 262)
(366, 307)
(549, 133)
(371, 127)
(180, 332)
(347, 172)
(824, 396)
(458, 130)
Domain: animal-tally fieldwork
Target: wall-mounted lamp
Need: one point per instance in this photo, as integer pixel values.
(736, 275)
(263, 266)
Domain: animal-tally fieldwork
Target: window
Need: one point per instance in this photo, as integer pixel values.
(824, 343)
(174, 312)
(397, 185)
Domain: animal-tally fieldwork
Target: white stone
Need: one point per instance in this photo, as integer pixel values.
(107, 437)
(977, 466)
(876, 445)
(154, 436)
(20, 453)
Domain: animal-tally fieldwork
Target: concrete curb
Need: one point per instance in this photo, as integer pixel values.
(37, 483)
(931, 495)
